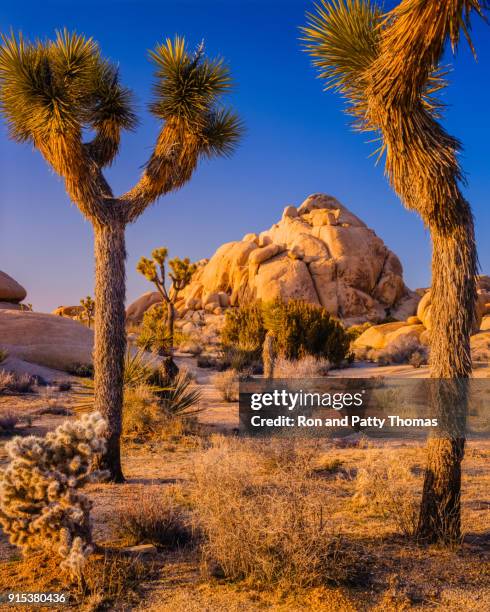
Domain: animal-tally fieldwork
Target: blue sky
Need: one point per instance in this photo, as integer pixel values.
(298, 142)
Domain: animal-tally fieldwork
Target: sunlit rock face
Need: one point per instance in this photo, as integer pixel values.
(319, 252)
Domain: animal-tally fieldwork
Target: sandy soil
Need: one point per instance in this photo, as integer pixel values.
(403, 576)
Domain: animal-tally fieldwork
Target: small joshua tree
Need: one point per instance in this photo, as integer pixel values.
(180, 275)
(41, 507)
(88, 306)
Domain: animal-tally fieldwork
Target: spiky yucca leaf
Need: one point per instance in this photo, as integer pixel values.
(58, 88)
(188, 85)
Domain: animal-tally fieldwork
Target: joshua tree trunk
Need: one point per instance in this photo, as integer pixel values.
(110, 337)
(170, 323)
(452, 316)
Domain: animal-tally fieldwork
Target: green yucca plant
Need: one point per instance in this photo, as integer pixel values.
(387, 67)
(175, 398)
(53, 93)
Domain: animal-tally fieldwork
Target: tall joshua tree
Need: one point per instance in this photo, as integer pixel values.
(52, 94)
(180, 276)
(386, 66)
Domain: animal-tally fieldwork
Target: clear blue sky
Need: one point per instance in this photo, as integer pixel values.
(298, 142)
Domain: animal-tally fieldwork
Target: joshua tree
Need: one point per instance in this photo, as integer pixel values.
(386, 66)
(180, 275)
(88, 306)
(52, 93)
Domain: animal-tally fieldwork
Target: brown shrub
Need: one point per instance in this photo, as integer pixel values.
(154, 518)
(386, 487)
(227, 384)
(264, 517)
(305, 367)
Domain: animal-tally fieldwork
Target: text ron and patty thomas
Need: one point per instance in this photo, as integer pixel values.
(282, 399)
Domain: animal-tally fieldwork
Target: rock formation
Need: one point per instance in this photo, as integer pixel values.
(319, 252)
(45, 339)
(11, 293)
(381, 336)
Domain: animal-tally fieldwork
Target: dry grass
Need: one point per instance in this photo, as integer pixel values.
(387, 487)
(16, 383)
(264, 518)
(153, 518)
(226, 383)
(306, 367)
(8, 422)
(405, 349)
(110, 581)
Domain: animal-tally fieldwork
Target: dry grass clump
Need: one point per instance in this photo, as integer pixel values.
(153, 518)
(10, 382)
(385, 486)
(227, 384)
(8, 422)
(405, 349)
(264, 517)
(305, 367)
(110, 582)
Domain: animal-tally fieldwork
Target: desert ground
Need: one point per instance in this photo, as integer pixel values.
(386, 568)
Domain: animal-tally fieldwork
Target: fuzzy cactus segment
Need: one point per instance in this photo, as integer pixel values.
(40, 503)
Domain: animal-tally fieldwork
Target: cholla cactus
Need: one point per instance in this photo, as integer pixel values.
(40, 505)
(269, 354)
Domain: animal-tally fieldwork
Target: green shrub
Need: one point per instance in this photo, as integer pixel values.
(154, 335)
(244, 329)
(302, 329)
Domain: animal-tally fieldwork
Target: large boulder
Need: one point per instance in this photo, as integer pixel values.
(72, 312)
(381, 336)
(136, 310)
(10, 290)
(48, 340)
(319, 252)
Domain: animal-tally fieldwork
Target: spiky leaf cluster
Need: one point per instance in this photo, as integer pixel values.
(60, 87)
(188, 91)
(181, 272)
(41, 507)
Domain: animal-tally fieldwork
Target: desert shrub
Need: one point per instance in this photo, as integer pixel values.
(226, 383)
(266, 521)
(400, 350)
(8, 421)
(3, 355)
(239, 359)
(154, 334)
(244, 330)
(10, 382)
(418, 359)
(302, 329)
(41, 507)
(64, 386)
(6, 381)
(83, 370)
(306, 367)
(111, 582)
(153, 518)
(354, 331)
(387, 487)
